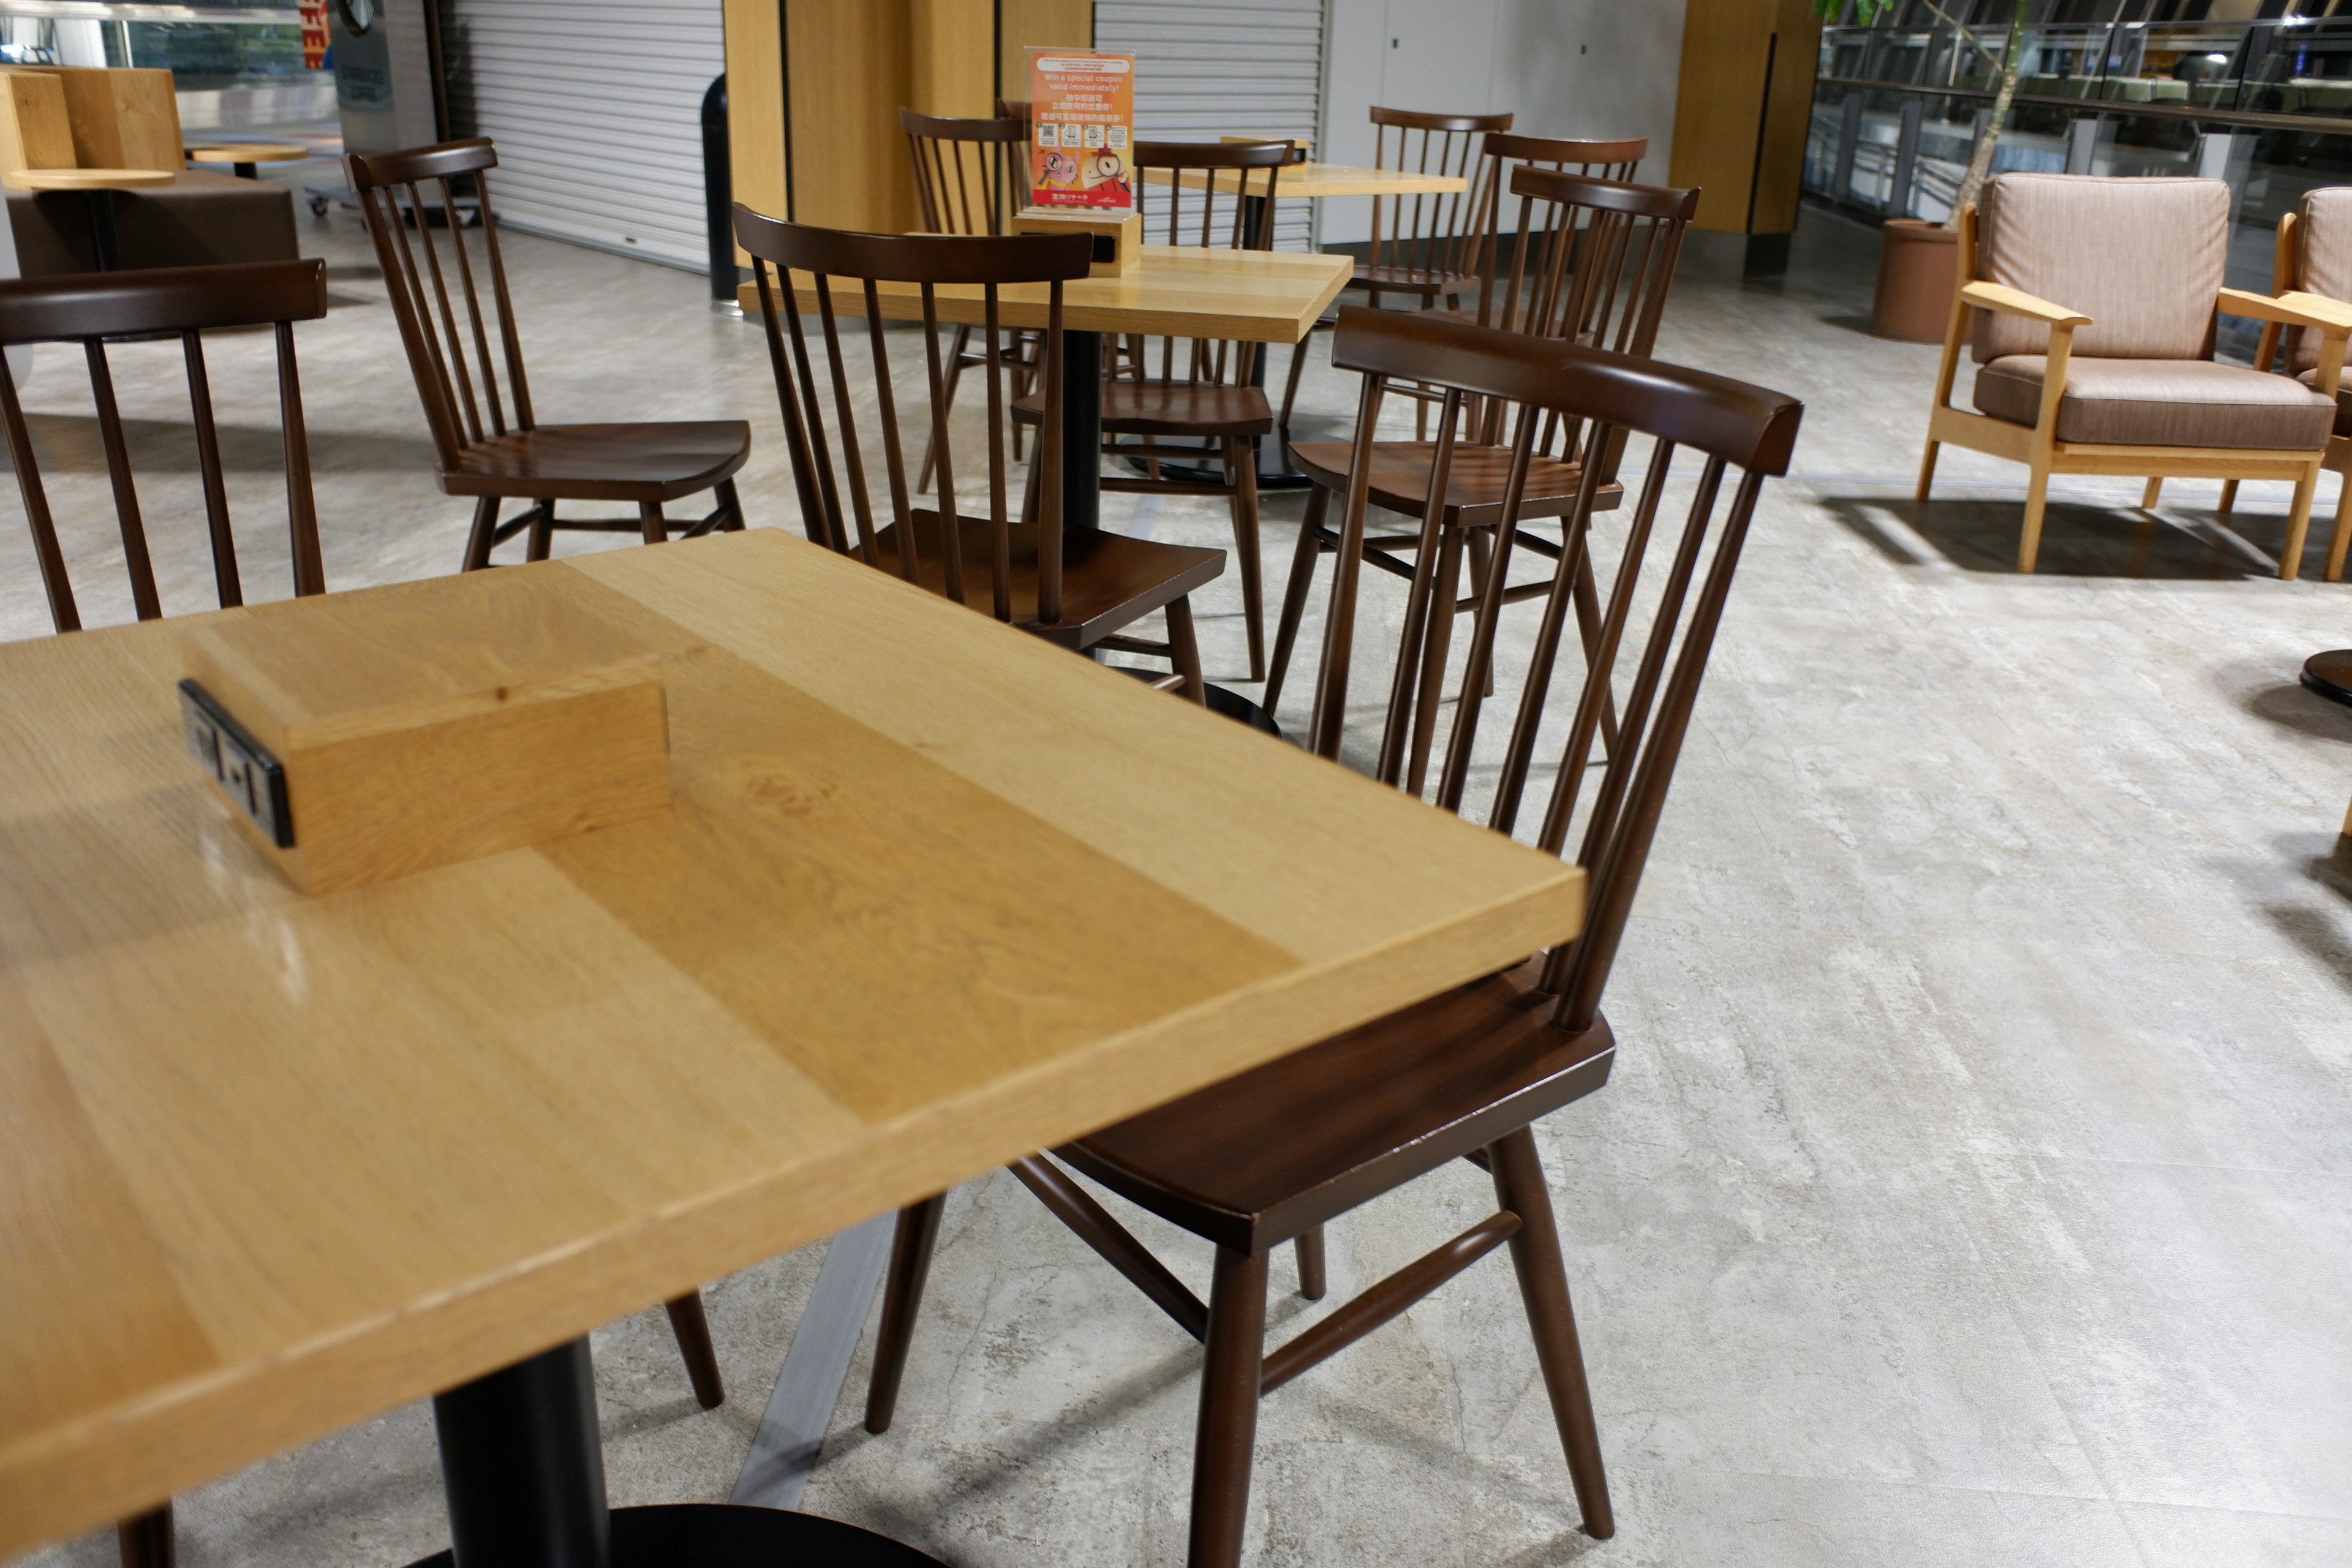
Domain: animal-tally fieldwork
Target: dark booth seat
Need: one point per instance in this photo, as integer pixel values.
(198, 219)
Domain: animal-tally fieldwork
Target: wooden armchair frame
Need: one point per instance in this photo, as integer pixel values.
(2286, 268)
(2037, 446)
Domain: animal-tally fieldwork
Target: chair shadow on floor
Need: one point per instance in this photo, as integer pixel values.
(2189, 542)
(72, 444)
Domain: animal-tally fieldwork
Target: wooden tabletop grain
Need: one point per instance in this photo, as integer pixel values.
(1242, 296)
(1314, 180)
(931, 894)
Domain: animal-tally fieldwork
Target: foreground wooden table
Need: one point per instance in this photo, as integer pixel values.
(1184, 291)
(1315, 180)
(931, 895)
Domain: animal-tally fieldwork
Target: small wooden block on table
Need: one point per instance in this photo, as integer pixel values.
(931, 894)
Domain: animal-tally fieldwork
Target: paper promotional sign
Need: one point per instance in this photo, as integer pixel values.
(314, 34)
(1081, 118)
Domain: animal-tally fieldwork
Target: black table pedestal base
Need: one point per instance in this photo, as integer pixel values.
(720, 1535)
(2330, 674)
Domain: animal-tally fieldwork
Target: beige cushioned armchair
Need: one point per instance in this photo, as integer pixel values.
(2095, 302)
(2315, 259)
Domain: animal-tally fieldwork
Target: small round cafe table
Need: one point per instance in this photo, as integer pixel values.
(246, 157)
(98, 187)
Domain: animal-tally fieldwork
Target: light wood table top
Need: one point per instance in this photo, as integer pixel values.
(1311, 180)
(84, 179)
(1179, 290)
(249, 153)
(932, 894)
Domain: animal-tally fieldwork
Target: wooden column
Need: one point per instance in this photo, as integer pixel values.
(1740, 118)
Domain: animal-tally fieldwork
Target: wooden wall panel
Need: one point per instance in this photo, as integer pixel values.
(1022, 25)
(35, 132)
(1744, 151)
(953, 57)
(849, 68)
(755, 107)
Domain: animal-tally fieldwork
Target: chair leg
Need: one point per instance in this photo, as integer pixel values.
(725, 490)
(1186, 652)
(1290, 384)
(1926, 471)
(478, 542)
(2148, 497)
(1241, 469)
(902, 1297)
(2037, 498)
(692, 1327)
(1482, 557)
(2229, 496)
(1519, 1187)
(946, 400)
(542, 531)
(1311, 1276)
(2298, 525)
(2340, 535)
(1436, 644)
(147, 1539)
(1294, 591)
(1229, 1389)
(650, 520)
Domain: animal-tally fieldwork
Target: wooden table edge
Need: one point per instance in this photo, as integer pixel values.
(189, 1433)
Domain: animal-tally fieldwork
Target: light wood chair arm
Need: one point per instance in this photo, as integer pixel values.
(2012, 302)
(2293, 309)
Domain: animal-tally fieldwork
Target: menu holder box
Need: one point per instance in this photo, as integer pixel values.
(344, 775)
(1118, 236)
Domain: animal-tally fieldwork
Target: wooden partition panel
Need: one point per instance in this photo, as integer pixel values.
(122, 119)
(1741, 112)
(848, 69)
(1024, 25)
(755, 107)
(953, 56)
(35, 132)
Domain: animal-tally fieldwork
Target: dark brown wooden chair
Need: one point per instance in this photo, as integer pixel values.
(1500, 155)
(1080, 588)
(1591, 261)
(1190, 401)
(493, 447)
(1273, 1155)
(970, 176)
(185, 301)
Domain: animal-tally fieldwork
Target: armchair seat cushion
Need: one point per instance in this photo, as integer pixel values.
(2343, 400)
(2161, 403)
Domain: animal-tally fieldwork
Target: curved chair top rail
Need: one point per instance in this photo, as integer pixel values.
(1743, 425)
(413, 165)
(1213, 154)
(1004, 128)
(1609, 195)
(163, 300)
(914, 257)
(1566, 149)
(1419, 119)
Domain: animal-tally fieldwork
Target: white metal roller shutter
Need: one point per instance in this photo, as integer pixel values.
(597, 111)
(1206, 69)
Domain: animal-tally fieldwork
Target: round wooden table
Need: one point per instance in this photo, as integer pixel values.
(98, 187)
(245, 156)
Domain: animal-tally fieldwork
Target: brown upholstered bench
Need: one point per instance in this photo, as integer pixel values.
(197, 220)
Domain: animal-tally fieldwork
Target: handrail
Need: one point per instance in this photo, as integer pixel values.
(2255, 120)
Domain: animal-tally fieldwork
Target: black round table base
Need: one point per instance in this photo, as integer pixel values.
(2330, 674)
(720, 1535)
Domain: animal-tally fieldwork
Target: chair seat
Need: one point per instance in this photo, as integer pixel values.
(1108, 580)
(1474, 490)
(2160, 403)
(1173, 408)
(602, 462)
(2310, 378)
(1254, 1161)
(1426, 281)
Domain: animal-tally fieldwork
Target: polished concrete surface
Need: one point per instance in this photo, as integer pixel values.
(1976, 1181)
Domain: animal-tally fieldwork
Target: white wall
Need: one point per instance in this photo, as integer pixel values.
(1563, 67)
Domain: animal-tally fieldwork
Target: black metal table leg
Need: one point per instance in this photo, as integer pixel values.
(523, 1467)
(104, 241)
(246, 171)
(1082, 374)
(2330, 674)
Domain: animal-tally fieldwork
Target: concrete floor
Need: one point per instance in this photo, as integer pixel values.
(1976, 1181)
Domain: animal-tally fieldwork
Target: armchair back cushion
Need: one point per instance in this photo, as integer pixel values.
(2323, 262)
(2143, 258)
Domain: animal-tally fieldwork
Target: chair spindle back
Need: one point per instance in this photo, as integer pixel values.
(457, 374)
(795, 266)
(971, 176)
(1502, 155)
(1218, 196)
(1433, 235)
(1743, 433)
(89, 308)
